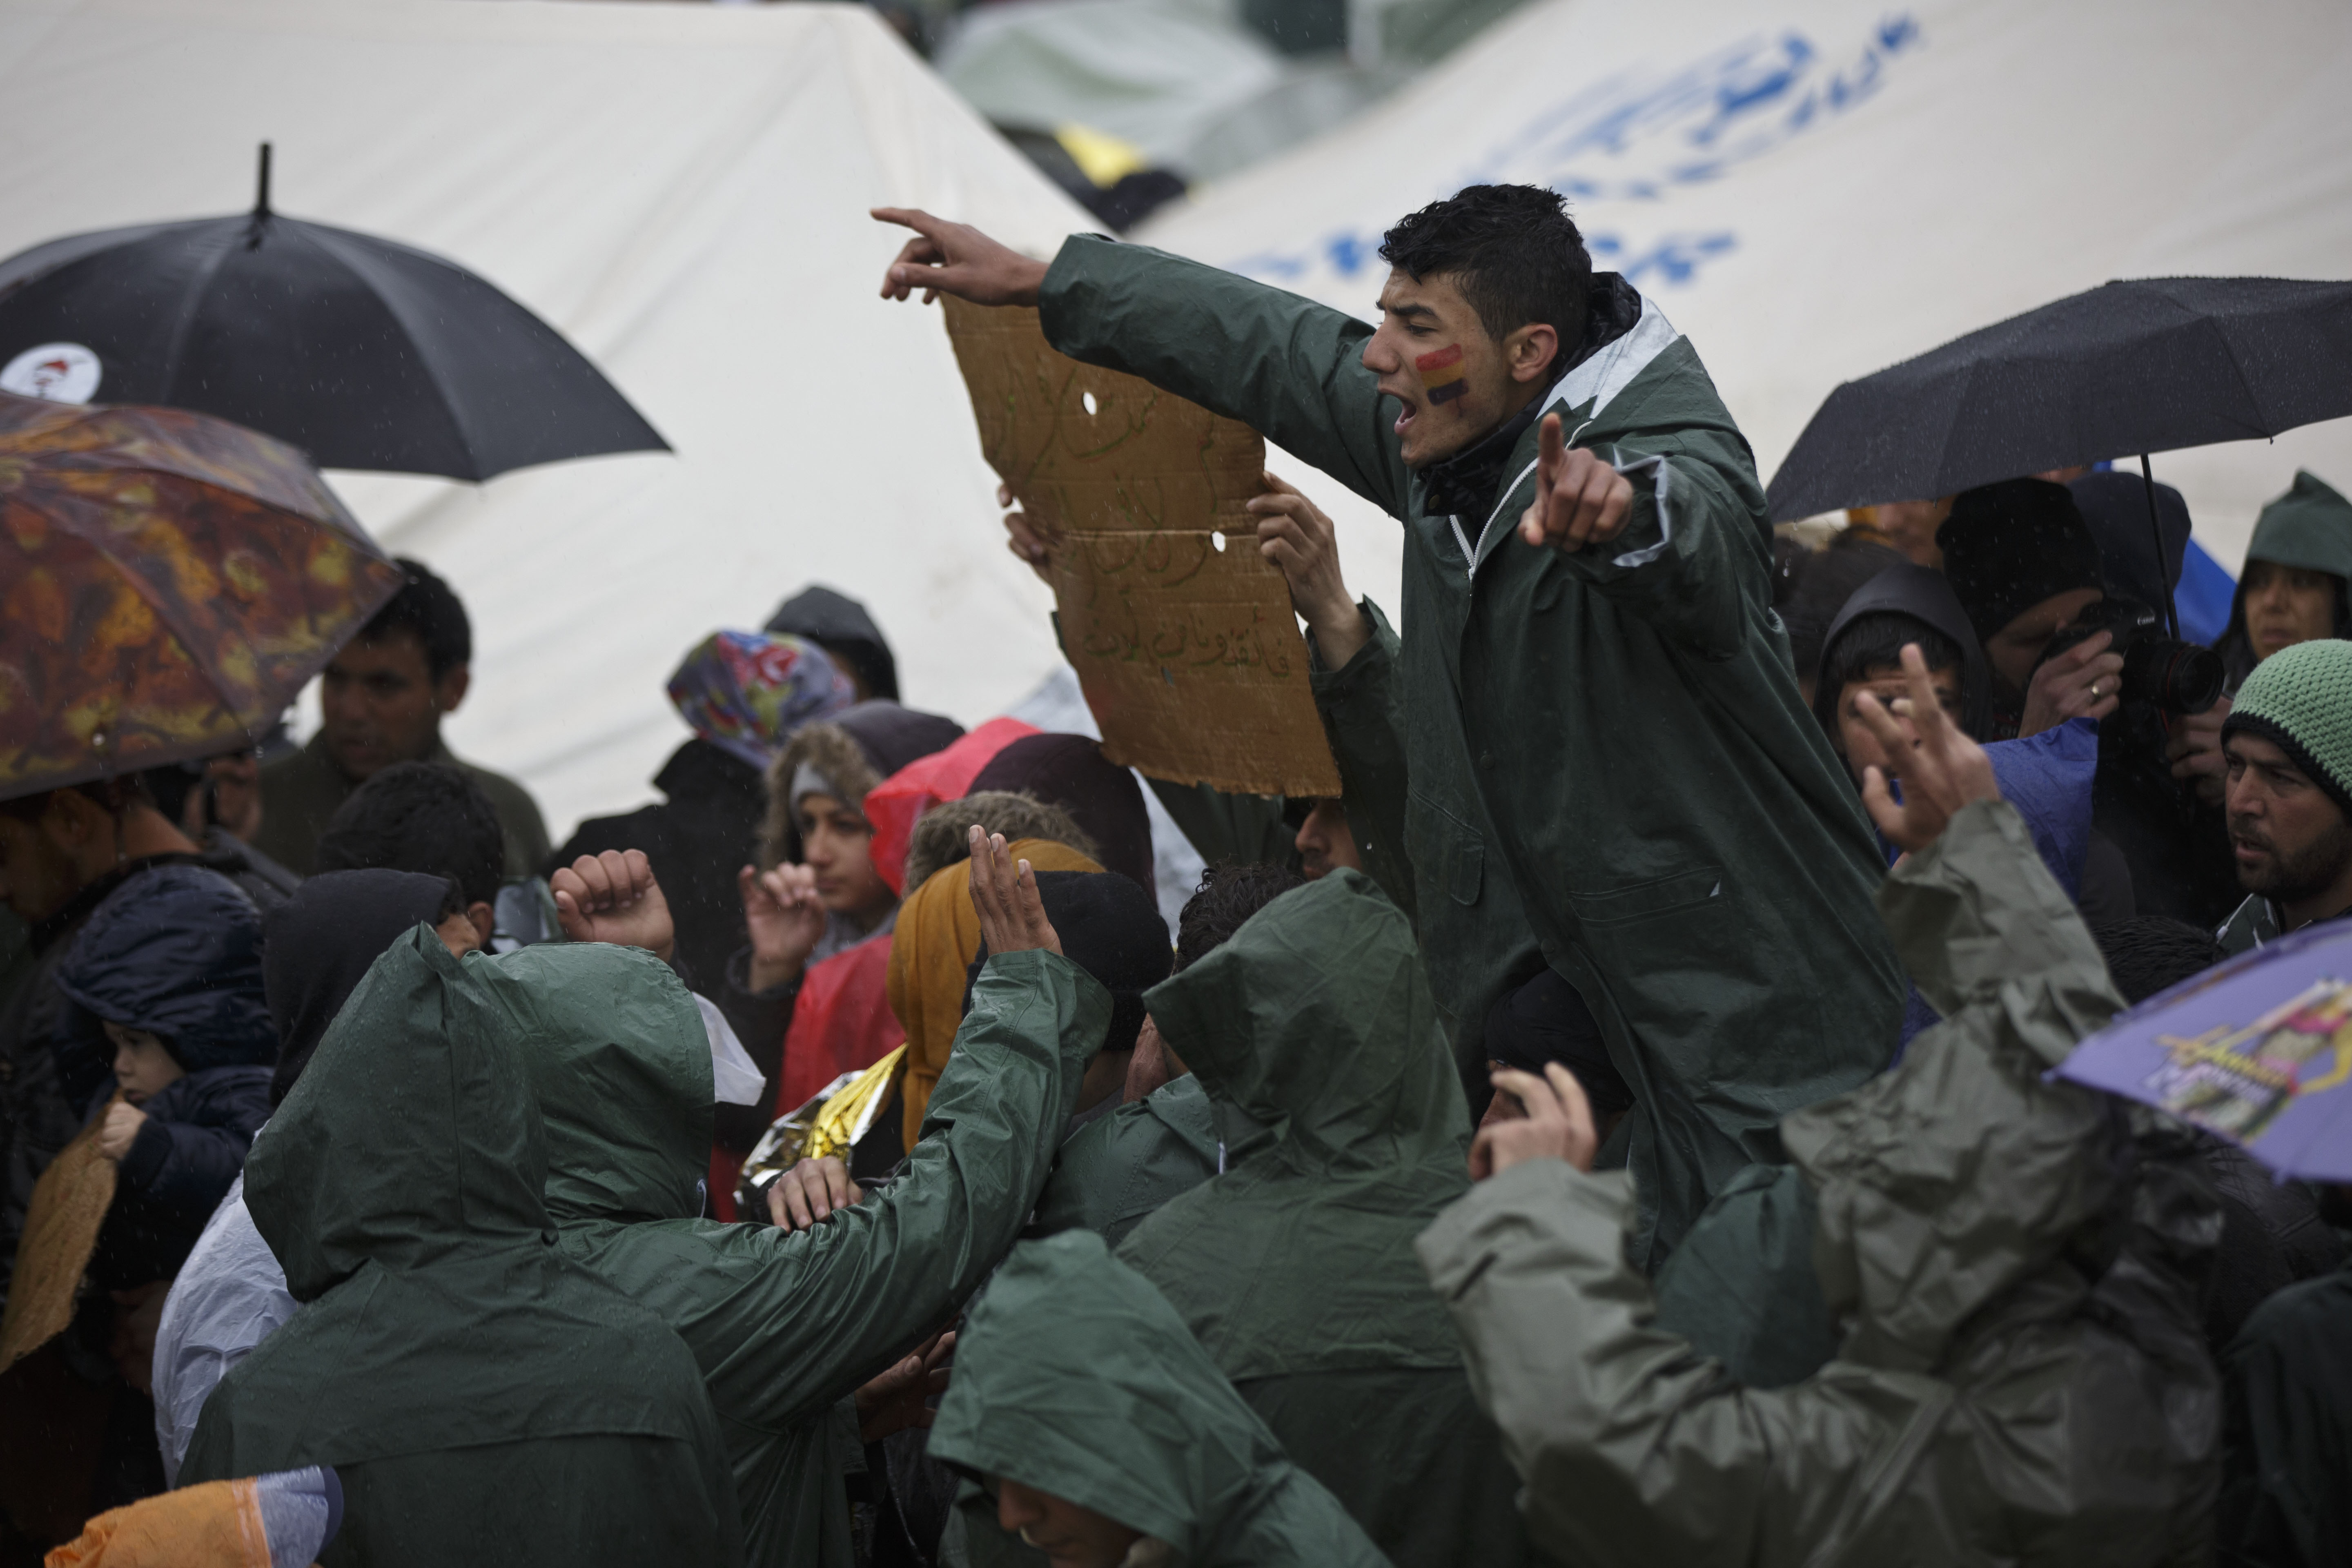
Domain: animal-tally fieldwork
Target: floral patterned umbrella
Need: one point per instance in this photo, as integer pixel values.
(168, 582)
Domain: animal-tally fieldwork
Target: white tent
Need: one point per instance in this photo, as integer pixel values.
(682, 191)
(1819, 189)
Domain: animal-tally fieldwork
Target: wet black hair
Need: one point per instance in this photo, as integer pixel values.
(428, 609)
(419, 816)
(2152, 954)
(1515, 249)
(1876, 642)
(1228, 895)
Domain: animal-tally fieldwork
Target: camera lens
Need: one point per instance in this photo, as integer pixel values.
(2177, 677)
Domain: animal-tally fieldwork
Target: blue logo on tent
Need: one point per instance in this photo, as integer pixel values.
(1635, 135)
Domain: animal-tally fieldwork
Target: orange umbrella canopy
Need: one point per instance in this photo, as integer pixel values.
(168, 582)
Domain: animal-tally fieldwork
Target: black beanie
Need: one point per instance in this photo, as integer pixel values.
(2008, 546)
(1112, 929)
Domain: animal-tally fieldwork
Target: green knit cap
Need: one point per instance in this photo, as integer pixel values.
(2300, 700)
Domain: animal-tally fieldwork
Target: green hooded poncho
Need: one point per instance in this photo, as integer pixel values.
(1617, 730)
(785, 1326)
(483, 1397)
(1294, 1268)
(1116, 1171)
(2021, 1378)
(1072, 1375)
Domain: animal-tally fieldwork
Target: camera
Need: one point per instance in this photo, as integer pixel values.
(2177, 676)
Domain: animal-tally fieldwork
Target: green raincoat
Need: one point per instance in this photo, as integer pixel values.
(483, 1397)
(785, 1326)
(2022, 1378)
(1073, 1376)
(1294, 1268)
(1114, 1173)
(1685, 845)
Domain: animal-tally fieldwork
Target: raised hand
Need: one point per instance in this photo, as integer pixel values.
(785, 920)
(1943, 770)
(2081, 683)
(1294, 534)
(1558, 1124)
(1580, 499)
(1004, 892)
(956, 259)
(119, 1130)
(614, 897)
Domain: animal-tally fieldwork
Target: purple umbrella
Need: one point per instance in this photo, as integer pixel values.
(2258, 1050)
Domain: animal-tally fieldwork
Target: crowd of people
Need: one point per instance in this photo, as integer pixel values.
(1618, 1129)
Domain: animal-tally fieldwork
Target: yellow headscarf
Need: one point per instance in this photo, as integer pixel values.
(936, 939)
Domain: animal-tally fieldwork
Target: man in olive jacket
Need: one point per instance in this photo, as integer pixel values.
(1607, 679)
(2021, 1376)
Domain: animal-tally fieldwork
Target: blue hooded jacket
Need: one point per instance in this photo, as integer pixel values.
(176, 951)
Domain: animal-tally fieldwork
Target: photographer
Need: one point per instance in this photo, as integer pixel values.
(2026, 568)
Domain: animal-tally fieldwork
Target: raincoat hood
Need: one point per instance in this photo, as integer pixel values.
(1923, 594)
(413, 1135)
(1910, 1237)
(1074, 1377)
(846, 630)
(1315, 1019)
(2310, 527)
(616, 1052)
(321, 941)
(176, 951)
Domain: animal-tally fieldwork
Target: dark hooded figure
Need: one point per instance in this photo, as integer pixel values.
(231, 1293)
(840, 624)
(482, 1397)
(1103, 798)
(2294, 584)
(1293, 1266)
(2115, 505)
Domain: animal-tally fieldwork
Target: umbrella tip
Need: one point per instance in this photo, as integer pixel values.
(261, 197)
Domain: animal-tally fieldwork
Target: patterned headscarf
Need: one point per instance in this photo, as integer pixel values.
(746, 692)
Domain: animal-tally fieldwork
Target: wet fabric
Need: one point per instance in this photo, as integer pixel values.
(1723, 936)
(784, 1326)
(177, 952)
(1925, 595)
(1117, 1171)
(842, 626)
(747, 692)
(229, 1296)
(2114, 505)
(323, 940)
(281, 1519)
(2016, 1274)
(1102, 798)
(2008, 546)
(482, 1397)
(2310, 526)
(938, 936)
(1074, 1377)
(2288, 1378)
(1293, 1268)
(179, 1167)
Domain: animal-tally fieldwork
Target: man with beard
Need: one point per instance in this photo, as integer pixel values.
(2288, 744)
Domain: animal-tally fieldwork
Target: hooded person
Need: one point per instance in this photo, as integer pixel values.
(806, 995)
(165, 980)
(1103, 798)
(787, 1325)
(1108, 1436)
(481, 1395)
(841, 626)
(2025, 564)
(938, 934)
(231, 1293)
(2008, 1277)
(2293, 588)
(745, 695)
(1293, 1266)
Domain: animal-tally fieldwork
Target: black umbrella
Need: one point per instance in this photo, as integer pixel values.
(2150, 365)
(364, 353)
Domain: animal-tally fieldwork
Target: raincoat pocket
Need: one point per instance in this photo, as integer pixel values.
(1647, 901)
(1446, 852)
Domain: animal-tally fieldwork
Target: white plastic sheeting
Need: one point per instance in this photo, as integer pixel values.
(1815, 189)
(682, 191)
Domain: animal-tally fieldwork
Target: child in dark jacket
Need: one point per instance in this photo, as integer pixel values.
(166, 981)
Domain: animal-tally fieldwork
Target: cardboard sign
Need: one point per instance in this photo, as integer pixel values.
(70, 1204)
(1181, 635)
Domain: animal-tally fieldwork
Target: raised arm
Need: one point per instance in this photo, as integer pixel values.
(1287, 367)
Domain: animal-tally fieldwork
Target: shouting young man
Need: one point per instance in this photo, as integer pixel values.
(1588, 649)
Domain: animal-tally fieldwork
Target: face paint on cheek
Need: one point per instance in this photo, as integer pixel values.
(1441, 373)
